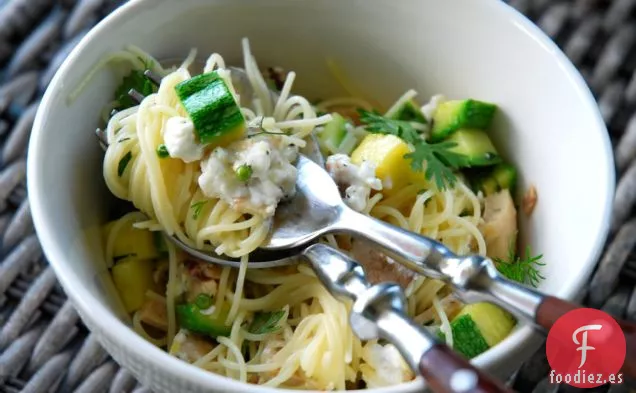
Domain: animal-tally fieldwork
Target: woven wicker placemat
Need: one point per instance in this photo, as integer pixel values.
(44, 346)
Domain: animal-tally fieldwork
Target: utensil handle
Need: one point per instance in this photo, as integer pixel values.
(474, 276)
(447, 372)
(378, 311)
(408, 248)
(544, 310)
(551, 308)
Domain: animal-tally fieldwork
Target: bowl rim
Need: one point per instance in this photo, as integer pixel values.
(99, 315)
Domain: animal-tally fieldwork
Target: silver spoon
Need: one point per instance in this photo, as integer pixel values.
(318, 209)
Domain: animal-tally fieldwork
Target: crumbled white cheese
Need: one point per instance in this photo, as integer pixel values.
(386, 367)
(360, 180)
(273, 174)
(180, 140)
(429, 109)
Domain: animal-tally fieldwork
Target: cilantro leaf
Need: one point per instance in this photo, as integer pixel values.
(441, 161)
(523, 270)
(266, 322)
(378, 124)
(135, 80)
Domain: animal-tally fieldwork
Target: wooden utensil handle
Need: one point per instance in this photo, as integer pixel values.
(552, 308)
(447, 372)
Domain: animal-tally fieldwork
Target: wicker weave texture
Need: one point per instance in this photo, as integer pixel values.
(44, 347)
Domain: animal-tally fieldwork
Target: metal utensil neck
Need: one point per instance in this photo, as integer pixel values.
(378, 311)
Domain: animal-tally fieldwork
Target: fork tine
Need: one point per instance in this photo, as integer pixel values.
(101, 137)
(154, 78)
(136, 96)
(100, 134)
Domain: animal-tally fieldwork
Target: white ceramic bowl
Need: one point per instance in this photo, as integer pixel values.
(550, 128)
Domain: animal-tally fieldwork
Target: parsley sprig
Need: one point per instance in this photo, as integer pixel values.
(523, 270)
(441, 161)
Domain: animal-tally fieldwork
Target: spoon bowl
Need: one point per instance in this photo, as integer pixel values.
(311, 213)
(258, 259)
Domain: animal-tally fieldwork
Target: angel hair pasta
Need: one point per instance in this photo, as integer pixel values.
(207, 154)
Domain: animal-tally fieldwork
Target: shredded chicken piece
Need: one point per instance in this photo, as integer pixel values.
(190, 347)
(201, 278)
(154, 313)
(500, 224)
(197, 287)
(378, 267)
(203, 270)
(160, 275)
(529, 200)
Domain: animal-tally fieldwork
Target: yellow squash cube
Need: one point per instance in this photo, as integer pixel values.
(133, 278)
(387, 153)
(132, 241)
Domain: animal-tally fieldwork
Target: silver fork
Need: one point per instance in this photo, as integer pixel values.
(137, 97)
(378, 311)
(311, 150)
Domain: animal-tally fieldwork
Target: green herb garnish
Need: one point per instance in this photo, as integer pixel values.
(162, 151)
(160, 243)
(244, 172)
(264, 131)
(123, 163)
(266, 322)
(196, 208)
(440, 160)
(135, 80)
(523, 270)
(203, 301)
